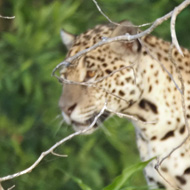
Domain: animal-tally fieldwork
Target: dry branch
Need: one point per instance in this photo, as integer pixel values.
(130, 117)
(163, 67)
(93, 84)
(175, 43)
(176, 11)
(51, 149)
(115, 23)
(183, 104)
(126, 37)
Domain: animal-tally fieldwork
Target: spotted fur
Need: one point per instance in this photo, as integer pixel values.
(145, 92)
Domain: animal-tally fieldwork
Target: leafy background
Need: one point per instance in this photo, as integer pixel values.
(30, 120)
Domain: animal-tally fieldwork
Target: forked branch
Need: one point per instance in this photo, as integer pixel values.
(51, 149)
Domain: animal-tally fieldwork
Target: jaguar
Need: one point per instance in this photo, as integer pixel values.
(137, 78)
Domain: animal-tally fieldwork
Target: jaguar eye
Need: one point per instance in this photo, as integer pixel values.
(90, 74)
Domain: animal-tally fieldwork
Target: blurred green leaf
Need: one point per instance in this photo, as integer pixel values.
(81, 183)
(126, 174)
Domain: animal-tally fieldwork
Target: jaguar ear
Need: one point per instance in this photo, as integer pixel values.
(67, 39)
(125, 47)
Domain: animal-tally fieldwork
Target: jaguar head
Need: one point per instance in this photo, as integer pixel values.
(102, 75)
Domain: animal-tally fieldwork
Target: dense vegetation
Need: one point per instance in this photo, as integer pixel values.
(30, 120)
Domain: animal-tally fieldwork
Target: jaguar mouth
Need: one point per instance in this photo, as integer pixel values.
(83, 125)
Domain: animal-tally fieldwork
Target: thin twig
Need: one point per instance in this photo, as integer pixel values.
(183, 104)
(162, 66)
(115, 23)
(164, 178)
(100, 10)
(93, 83)
(11, 187)
(181, 90)
(7, 17)
(130, 117)
(59, 155)
(176, 11)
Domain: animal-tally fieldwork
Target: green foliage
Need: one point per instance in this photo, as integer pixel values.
(30, 47)
(81, 184)
(126, 174)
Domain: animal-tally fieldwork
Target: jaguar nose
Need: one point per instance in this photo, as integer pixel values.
(68, 109)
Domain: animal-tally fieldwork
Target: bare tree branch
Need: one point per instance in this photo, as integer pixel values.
(100, 10)
(176, 11)
(163, 177)
(51, 149)
(127, 37)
